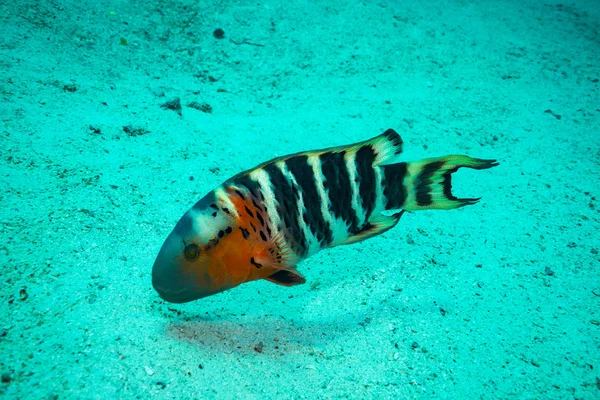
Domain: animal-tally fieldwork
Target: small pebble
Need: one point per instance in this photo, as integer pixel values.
(174, 105)
(414, 345)
(149, 370)
(594, 322)
(219, 33)
(6, 378)
(70, 87)
(259, 347)
(557, 116)
(135, 131)
(204, 107)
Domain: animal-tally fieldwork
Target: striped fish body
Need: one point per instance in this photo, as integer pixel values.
(262, 222)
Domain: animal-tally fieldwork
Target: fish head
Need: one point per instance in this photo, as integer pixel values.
(198, 257)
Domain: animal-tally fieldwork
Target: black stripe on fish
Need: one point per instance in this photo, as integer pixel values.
(423, 186)
(393, 185)
(395, 140)
(249, 212)
(366, 178)
(261, 220)
(337, 183)
(303, 174)
(287, 207)
(245, 233)
(254, 193)
(250, 184)
(253, 262)
(447, 182)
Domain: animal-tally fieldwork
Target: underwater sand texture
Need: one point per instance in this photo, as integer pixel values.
(496, 300)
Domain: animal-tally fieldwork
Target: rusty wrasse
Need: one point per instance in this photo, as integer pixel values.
(262, 222)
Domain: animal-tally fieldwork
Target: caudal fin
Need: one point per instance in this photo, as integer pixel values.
(428, 182)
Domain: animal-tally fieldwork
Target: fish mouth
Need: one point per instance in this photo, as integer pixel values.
(167, 289)
(174, 291)
(175, 296)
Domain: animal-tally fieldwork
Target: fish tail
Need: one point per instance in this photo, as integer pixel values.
(427, 184)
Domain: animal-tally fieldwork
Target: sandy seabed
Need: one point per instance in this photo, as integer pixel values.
(498, 300)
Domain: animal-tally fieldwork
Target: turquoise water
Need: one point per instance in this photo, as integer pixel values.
(492, 301)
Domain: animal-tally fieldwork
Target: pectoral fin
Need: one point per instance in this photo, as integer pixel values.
(286, 277)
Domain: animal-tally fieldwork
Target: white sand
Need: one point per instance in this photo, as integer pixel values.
(84, 213)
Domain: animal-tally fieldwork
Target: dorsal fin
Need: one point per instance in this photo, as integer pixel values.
(387, 147)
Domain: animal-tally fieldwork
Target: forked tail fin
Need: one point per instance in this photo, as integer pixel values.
(427, 184)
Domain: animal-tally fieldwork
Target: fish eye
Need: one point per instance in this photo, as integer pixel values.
(191, 251)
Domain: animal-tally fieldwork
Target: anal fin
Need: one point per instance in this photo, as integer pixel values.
(376, 226)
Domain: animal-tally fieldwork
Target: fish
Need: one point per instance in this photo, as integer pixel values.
(261, 223)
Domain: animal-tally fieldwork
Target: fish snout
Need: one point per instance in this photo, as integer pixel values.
(167, 277)
(178, 279)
